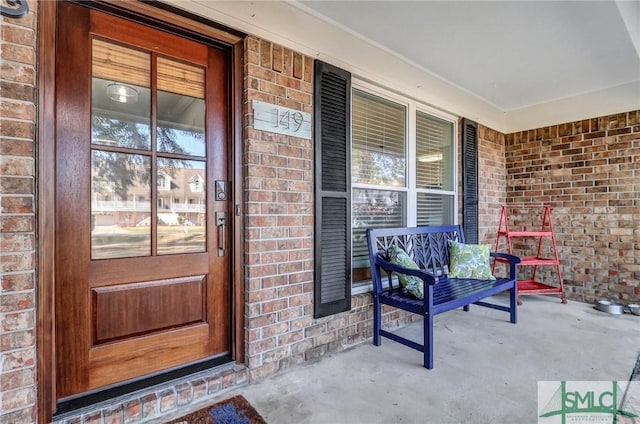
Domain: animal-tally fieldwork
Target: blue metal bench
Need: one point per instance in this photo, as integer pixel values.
(429, 248)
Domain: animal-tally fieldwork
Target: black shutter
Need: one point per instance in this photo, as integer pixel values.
(470, 180)
(332, 129)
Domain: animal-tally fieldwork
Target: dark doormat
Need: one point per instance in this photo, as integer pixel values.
(235, 410)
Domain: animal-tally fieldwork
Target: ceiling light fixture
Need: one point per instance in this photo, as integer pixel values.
(122, 93)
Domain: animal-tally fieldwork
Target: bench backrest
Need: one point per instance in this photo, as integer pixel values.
(427, 246)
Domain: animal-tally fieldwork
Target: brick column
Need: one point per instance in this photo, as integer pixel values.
(278, 180)
(17, 218)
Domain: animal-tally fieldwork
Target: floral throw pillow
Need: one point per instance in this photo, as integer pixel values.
(413, 285)
(469, 261)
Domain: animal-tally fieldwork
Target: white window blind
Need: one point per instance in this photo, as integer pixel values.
(378, 140)
(434, 149)
(434, 209)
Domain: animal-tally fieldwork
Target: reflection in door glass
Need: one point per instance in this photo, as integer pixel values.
(120, 96)
(182, 208)
(181, 108)
(120, 205)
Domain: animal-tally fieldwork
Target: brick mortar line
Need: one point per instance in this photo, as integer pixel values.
(17, 102)
(16, 120)
(20, 64)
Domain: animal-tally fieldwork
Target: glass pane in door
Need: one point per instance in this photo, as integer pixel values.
(120, 96)
(181, 206)
(181, 108)
(120, 205)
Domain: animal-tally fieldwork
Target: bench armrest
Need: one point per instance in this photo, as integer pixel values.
(513, 261)
(426, 277)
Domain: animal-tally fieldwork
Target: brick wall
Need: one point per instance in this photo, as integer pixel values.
(278, 182)
(589, 172)
(492, 184)
(17, 218)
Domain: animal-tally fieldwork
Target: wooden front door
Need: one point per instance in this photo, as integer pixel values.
(142, 178)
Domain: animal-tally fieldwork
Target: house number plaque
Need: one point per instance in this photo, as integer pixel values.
(281, 120)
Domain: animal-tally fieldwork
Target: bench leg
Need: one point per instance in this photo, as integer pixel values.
(465, 308)
(428, 341)
(513, 295)
(377, 320)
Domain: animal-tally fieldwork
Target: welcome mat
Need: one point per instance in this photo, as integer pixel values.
(235, 410)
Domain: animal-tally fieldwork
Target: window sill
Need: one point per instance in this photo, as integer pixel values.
(367, 286)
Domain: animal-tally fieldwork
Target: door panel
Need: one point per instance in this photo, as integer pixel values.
(141, 138)
(130, 310)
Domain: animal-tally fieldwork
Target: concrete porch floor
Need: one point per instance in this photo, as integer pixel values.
(486, 369)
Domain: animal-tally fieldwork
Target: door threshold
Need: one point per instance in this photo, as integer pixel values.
(91, 399)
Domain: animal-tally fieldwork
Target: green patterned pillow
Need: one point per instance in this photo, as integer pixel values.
(412, 284)
(469, 261)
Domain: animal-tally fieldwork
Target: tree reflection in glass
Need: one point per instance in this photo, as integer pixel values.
(120, 205)
(124, 163)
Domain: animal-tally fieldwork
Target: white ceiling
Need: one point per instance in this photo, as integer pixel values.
(511, 54)
(510, 65)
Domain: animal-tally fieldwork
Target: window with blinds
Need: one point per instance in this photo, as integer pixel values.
(434, 170)
(387, 143)
(378, 140)
(378, 170)
(434, 152)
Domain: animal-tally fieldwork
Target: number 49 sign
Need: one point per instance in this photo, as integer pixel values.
(281, 120)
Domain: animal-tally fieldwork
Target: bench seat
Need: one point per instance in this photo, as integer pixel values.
(429, 248)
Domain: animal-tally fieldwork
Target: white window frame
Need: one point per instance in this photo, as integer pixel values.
(412, 107)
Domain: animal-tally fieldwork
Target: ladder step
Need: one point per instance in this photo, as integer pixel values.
(532, 286)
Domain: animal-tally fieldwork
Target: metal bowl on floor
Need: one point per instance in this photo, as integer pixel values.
(634, 308)
(610, 308)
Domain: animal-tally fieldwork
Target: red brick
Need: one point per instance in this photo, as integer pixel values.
(16, 360)
(17, 321)
(287, 66)
(12, 242)
(15, 91)
(17, 282)
(17, 340)
(17, 53)
(16, 204)
(18, 262)
(19, 398)
(16, 72)
(265, 54)
(278, 58)
(252, 44)
(16, 147)
(16, 223)
(17, 129)
(113, 415)
(13, 302)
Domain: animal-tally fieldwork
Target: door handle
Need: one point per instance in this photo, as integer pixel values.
(221, 223)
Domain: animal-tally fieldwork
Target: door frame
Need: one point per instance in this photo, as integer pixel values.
(166, 18)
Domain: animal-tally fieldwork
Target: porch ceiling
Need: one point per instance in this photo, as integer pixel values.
(511, 65)
(511, 54)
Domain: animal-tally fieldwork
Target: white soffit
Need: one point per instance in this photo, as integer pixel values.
(508, 65)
